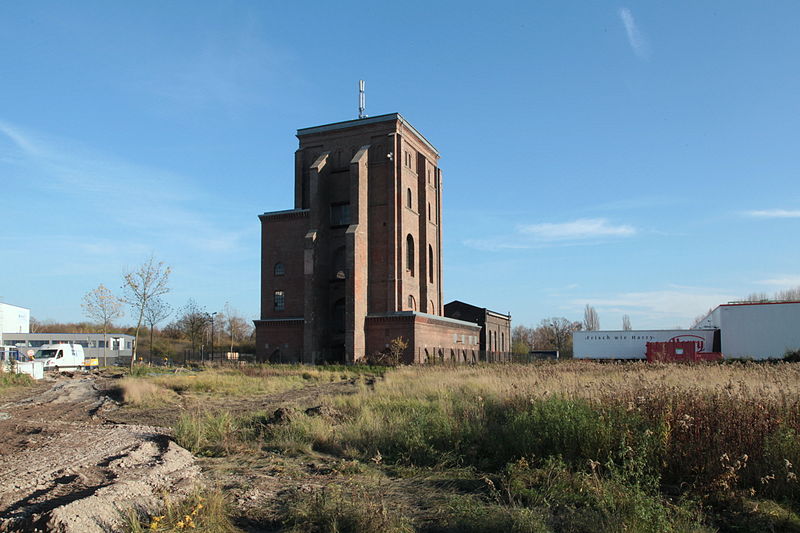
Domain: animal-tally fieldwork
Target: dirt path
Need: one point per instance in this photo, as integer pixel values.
(72, 460)
(62, 468)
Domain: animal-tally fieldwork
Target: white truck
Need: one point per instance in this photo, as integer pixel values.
(59, 357)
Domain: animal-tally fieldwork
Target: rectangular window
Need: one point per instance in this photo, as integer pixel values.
(340, 214)
(85, 344)
(279, 301)
(128, 345)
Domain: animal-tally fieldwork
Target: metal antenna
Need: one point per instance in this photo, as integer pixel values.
(362, 100)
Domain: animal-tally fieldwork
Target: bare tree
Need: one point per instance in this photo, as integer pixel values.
(141, 286)
(193, 322)
(35, 325)
(757, 297)
(102, 306)
(788, 295)
(156, 311)
(556, 334)
(236, 326)
(591, 322)
(522, 339)
(626, 323)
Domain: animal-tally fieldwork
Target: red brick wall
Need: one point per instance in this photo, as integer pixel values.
(284, 336)
(282, 240)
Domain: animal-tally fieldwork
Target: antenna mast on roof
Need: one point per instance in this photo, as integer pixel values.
(362, 100)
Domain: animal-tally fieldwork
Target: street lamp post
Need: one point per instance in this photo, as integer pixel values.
(212, 335)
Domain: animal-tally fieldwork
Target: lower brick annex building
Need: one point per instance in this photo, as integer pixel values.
(357, 262)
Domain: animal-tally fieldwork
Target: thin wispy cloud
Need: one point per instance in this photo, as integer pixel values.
(142, 203)
(583, 231)
(774, 213)
(636, 38)
(675, 304)
(783, 281)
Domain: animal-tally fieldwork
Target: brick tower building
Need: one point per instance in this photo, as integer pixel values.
(357, 262)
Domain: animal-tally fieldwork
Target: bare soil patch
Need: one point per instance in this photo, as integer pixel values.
(63, 467)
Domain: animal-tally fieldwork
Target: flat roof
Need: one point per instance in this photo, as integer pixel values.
(65, 335)
(12, 305)
(484, 309)
(731, 304)
(447, 319)
(364, 121)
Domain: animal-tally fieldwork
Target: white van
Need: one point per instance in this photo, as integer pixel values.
(58, 357)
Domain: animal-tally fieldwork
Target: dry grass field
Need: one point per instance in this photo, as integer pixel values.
(566, 447)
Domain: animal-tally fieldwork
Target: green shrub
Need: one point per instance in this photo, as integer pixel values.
(12, 379)
(588, 501)
(792, 356)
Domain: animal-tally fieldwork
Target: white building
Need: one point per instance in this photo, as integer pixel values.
(633, 344)
(756, 330)
(738, 330)
(14, 319)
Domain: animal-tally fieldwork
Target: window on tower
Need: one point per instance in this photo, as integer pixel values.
(410, 254)
(279, 301)
(430, 263)
(340, 214)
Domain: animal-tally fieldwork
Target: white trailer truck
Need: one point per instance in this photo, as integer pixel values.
(59, 357)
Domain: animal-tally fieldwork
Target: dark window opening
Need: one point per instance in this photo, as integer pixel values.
(339, 316)
(340, 214)
(279, 301)
(339, 270)
(430, 263)
(279, 269)
(410, 254)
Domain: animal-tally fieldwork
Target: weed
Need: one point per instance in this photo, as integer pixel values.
(12, 379)
(209, 434)
(142, 393)
(336, 510)
(202, 511)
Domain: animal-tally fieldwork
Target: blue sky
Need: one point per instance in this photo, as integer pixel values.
(640, 157)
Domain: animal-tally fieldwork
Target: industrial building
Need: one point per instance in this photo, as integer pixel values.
(494, 343)
(114, 348)
(738, 330)
(14, 319)
(358, 262)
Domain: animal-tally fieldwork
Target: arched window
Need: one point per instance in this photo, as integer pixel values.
(430, 263)
(408, 198)
(279, 270)
(412, 303)
(431, 308)
(410, 254)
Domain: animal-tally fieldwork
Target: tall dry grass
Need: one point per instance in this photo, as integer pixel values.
(152, 389)
(699, 428)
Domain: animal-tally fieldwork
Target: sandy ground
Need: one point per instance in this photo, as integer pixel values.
(65, 467)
